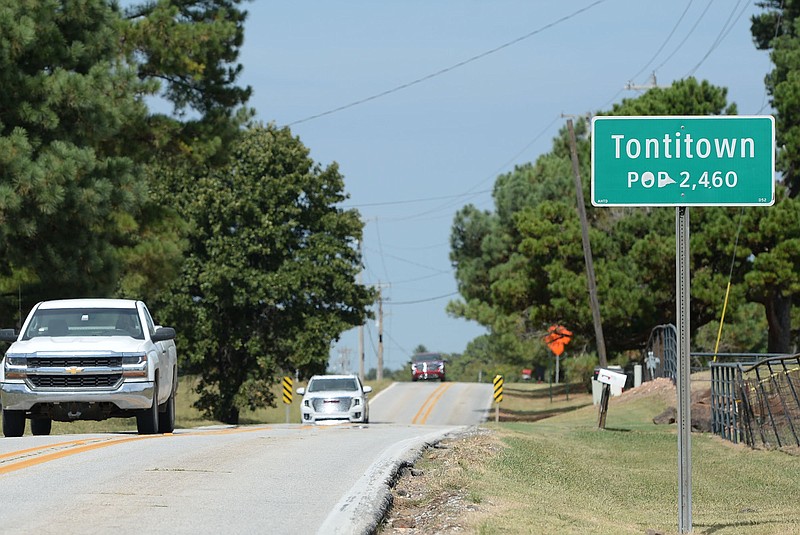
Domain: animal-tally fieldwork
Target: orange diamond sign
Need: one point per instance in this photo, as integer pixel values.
(557, 337)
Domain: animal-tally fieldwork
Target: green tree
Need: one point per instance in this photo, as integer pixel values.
(776, 30)
(420, 349)
(68, 191)
(776, 277)
(189, 50)
(269, 282)
(521, 268)
(82, 208)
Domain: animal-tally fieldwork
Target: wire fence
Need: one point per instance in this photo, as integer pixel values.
(755, 397)
(758, 403)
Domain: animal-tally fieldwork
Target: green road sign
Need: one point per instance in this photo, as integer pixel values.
(683, 161)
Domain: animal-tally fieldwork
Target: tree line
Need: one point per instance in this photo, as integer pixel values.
(224, 226)
(520, 266)
(233, 234)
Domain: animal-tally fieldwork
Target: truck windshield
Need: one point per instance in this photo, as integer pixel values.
(427, 357)
(85, 322)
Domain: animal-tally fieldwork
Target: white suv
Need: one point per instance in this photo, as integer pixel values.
(331, 398)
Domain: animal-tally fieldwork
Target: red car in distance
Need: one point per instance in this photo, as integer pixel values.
(428, 366)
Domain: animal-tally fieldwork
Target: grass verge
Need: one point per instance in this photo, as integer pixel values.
(564, 475)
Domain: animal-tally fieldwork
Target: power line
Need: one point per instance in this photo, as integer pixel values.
(723, 33)
(401, 348)
(686, 37)
(423, 300)
(417, 279)
(410, 201)
(436, 270)
(472, 194)
(450, 68)
(665, 41)
(420, 247)
(380, 249)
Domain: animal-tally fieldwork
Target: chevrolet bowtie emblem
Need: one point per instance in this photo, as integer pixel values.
(73, 370)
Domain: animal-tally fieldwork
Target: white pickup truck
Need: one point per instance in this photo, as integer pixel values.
(88, 359)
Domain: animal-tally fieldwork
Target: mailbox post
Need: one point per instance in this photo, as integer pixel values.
(608, 378)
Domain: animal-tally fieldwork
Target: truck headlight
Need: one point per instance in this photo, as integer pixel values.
(16, 366)
(134, 365)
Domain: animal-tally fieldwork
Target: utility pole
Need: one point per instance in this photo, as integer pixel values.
(380, 335)
(651, 84)
(361, 352)
(587, 250)
(360, 327)
(344, 359)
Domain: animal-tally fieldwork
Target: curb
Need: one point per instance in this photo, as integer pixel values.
(366, 504)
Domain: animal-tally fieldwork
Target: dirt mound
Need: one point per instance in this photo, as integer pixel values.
(666, 391)
(662, 388)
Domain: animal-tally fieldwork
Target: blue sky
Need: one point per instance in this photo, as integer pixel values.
(439, 98)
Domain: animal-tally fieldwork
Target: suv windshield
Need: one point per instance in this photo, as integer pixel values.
(85, 322)
(323, 385)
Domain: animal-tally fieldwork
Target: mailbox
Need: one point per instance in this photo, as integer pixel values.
(612, 378)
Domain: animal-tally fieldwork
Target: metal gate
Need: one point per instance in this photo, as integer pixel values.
(661, 353)
(757, 403)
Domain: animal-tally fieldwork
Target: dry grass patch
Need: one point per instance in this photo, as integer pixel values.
(439, 494)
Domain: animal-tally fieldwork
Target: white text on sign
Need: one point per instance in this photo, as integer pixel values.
(670, 147)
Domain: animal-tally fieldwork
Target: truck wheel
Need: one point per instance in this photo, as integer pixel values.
(166, 419)
(41, 426)
(147, 420)
(13, 423)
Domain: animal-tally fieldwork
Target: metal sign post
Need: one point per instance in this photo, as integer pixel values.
(684, 369)
(683, 161)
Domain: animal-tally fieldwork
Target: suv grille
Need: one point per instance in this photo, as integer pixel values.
(327, 405)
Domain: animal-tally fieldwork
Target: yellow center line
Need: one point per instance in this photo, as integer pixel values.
(10, 462)
(33, 461)
(20, 453)
(227, 430)
(430, 403)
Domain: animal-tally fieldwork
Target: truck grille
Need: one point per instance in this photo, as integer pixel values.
(75, 381)
(82, 362)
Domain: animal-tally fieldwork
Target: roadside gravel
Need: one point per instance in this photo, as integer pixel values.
(434, 496)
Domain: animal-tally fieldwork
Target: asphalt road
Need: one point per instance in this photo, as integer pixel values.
(432, 403)
(287, 478)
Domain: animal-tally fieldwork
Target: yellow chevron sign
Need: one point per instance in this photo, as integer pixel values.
(287, 390)
(498, 388)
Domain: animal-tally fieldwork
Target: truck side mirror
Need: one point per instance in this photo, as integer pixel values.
(8, 335)
(163, 333)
